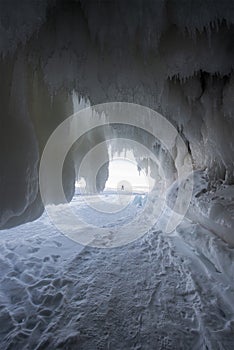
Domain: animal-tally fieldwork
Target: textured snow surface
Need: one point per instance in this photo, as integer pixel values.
(159, 292)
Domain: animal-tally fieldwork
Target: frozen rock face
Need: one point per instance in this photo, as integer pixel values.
(176, 58)
(18, 21)
(23, 135)
(19, 148)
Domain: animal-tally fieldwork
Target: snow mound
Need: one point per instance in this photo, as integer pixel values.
(211, 205)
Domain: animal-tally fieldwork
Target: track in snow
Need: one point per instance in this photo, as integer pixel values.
(159, 292)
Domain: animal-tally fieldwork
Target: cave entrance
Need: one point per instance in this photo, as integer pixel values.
(123, 197)
(125, 177)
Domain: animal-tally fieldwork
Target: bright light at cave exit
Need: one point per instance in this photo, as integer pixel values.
(124, 175)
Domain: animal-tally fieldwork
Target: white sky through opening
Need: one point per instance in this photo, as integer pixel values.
(123, 171)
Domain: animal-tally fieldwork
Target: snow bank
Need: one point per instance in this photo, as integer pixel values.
(211, 205)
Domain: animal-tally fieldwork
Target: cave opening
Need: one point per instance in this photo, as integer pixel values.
(124, 192)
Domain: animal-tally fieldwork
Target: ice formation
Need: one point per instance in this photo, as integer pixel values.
(174, 58)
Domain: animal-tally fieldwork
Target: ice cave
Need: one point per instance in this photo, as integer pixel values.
(117, 174)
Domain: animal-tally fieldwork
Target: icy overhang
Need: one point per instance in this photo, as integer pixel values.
(175, 57)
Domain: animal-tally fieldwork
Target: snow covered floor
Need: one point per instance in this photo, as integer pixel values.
(159, 292)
